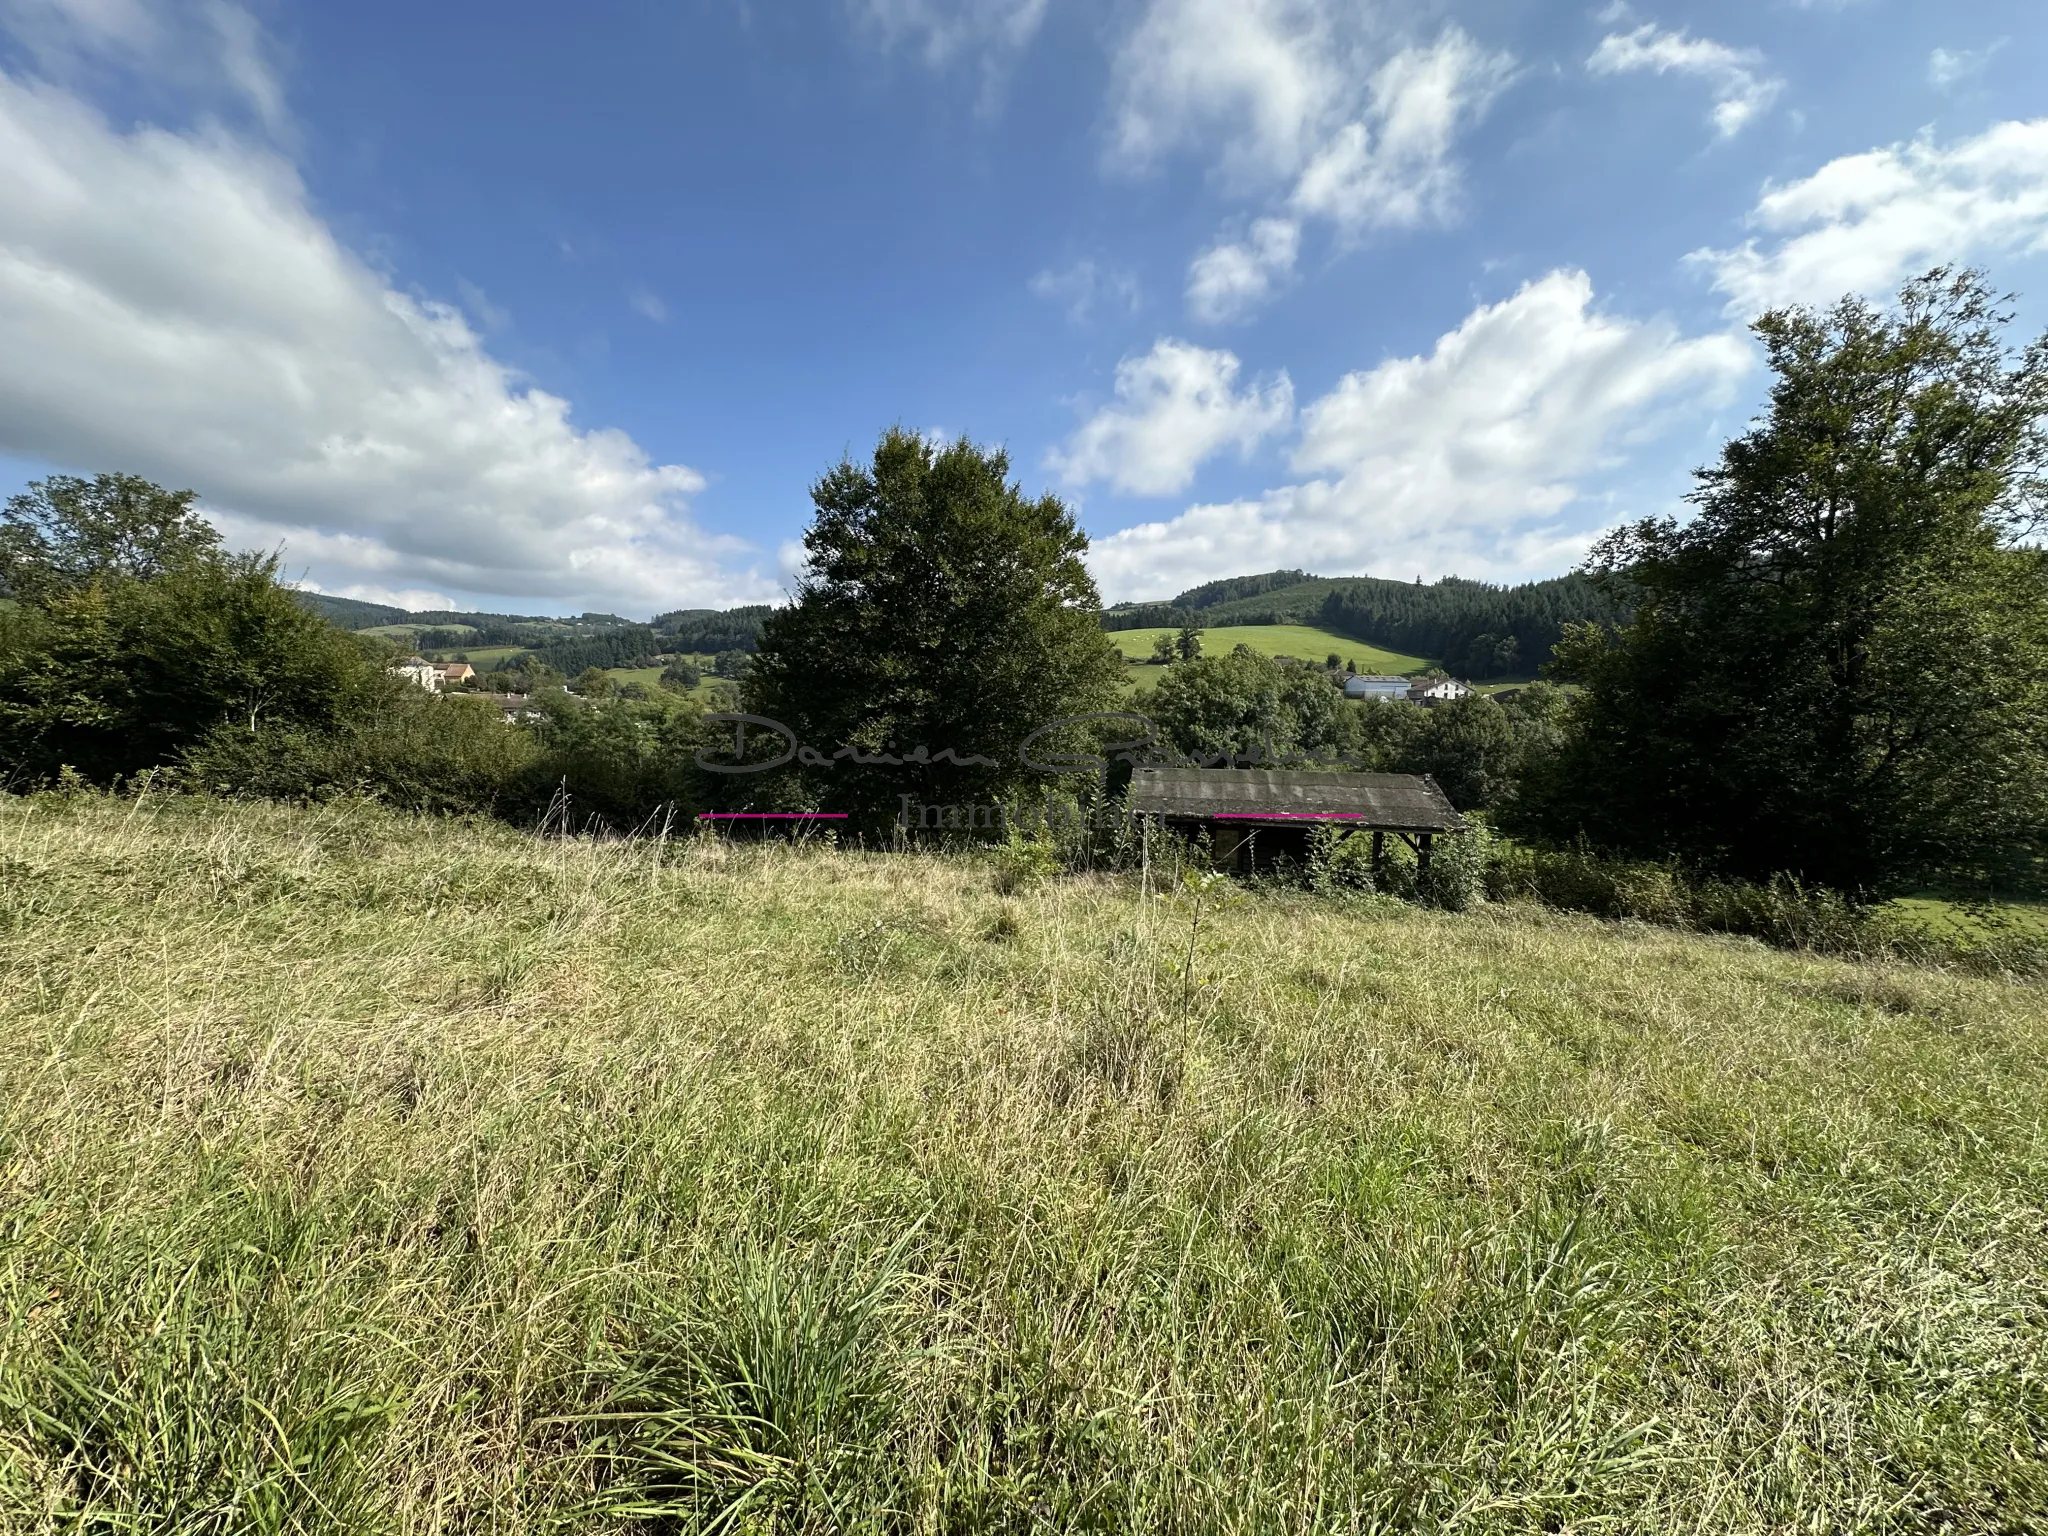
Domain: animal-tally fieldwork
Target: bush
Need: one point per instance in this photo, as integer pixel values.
(1021, 862)
(417, 751)
(1782, 911)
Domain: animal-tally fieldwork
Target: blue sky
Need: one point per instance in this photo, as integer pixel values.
(546, 309)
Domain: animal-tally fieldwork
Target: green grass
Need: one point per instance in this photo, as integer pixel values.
(1976, 923)
(367, 1174)
(1297, 640)
(409, 632)
(483, 658)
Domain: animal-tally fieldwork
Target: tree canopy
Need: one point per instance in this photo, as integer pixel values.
(1243, 705)
(941, 608)
(64, 532)
(1839, 666)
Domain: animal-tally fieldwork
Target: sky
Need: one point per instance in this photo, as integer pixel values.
(550, 309)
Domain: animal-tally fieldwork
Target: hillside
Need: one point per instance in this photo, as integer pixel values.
(1471, 628)
(433, 1176)
(1301, 641)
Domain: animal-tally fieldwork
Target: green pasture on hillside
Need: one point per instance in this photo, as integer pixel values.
(1301, 641)
(406, 633)
(362, 1173)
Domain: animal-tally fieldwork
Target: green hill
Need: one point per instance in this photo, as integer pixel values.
(1304, 642)
(350, 613)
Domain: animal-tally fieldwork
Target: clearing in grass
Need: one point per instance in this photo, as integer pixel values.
(428, 1175)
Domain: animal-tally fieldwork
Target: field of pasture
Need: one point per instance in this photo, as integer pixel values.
(368, 1173)
(1301, 641)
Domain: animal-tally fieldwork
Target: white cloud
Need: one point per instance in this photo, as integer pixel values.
(240, 349)
(944, 30)
(1262, 78)
(1393, 167)
(1471, 460)
(213, 50)
(1741, 92)
(1086, 286)
(647, 304)
(1176, 407)
(1230, 279)
(1303, 91)
(1862, 223)
(1316, 101)
(1952, 66)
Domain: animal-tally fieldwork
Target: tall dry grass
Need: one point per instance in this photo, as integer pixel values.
(366, 1173)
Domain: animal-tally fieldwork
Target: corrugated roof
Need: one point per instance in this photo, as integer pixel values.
(1393, 802)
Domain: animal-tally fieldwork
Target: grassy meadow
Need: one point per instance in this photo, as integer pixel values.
(1301, 641)
(365, 1173)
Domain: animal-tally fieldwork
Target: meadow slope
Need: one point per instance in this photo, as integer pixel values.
(364, 1173)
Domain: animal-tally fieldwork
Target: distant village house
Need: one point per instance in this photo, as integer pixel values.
(421, 671)
(1439, 692)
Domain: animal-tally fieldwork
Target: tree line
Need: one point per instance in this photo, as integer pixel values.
(1836, 668)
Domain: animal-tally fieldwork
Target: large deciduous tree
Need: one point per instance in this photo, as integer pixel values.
(941, 608)
(1249, 708)
(1839, 666)
(64, 532)
(133, 635)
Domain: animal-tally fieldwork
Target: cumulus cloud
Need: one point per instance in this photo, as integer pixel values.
(1742, 93)
(1864, 222)
(1230, 279)
(1471, 459)
(1393, 167)
(1176, 407)
(170, 304)
(1315, 102)
(1086, 287)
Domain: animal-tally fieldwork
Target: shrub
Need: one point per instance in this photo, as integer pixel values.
(417, 751)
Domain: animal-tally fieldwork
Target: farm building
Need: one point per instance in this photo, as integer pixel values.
(1363, 685)
(1257, 817)
(1444, 688)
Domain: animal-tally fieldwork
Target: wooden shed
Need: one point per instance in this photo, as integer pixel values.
(1255, 817)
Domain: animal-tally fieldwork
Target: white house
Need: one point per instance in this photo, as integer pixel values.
(1437, 692)
(1363, 685)
(421, 671)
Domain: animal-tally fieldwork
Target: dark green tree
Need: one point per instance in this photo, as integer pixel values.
(64, 532)
(1164, 649)
(1839, 666)
(956, 614)
(124, 673)
(594, 683)
(1188, 643)
(681, 675)
(1244, 706)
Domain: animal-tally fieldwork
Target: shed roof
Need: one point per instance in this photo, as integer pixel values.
(1393, 802)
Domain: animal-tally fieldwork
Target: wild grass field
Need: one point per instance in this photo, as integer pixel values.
(365, 1173)
(1301, 641)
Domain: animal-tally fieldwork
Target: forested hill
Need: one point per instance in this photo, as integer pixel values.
(1473, 628)
(567, 644)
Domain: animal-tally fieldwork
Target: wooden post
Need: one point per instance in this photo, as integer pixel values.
(1422, 853)
(1144, 857)
(1379, 853)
